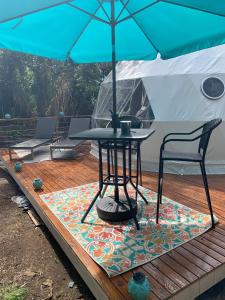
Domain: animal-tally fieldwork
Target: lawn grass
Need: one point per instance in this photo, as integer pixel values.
(13, 292)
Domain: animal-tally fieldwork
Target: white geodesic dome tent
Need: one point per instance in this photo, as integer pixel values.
(178, 95)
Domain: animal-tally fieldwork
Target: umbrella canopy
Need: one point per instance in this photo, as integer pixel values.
(89, 31)
(81, 29)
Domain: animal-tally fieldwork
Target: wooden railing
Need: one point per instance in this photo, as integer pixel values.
(16, 130)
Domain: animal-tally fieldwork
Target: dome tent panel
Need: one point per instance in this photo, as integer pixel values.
(208, 61)
(132, 100)
(179, 98)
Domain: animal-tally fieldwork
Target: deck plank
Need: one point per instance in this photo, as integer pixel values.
(202, 255)
(198, 262)
(187, 263)
(180, 269)
(208, 250)
(166, 282)
(170, 273)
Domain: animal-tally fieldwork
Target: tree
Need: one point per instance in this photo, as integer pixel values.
(32, 85)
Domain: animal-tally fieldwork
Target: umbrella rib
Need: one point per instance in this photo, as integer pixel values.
(35, 11)
(172, 3)
(82, 31)
(102, 7)
(150, 41)
(131, 15)
(122, 10)
(194, 8)
(18, 23)
(88, 13)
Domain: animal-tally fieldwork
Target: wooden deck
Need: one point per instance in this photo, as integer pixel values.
(183, 273)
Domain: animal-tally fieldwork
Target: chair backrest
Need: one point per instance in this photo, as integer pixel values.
(206, 133)
(78, 125)
(45, 128)
(135, 121)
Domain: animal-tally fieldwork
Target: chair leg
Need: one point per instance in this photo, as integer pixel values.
(112, 160)
(32, 154)
(161, 181)
(204, 177)
(140, 168)
(160, 185)
(10, 154)
(51, 153)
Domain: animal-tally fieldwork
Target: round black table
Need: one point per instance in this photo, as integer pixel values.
(116, 208)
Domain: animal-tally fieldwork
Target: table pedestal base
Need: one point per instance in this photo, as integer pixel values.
(110, 210)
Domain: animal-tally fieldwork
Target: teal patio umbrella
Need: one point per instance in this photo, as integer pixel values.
(89, 31)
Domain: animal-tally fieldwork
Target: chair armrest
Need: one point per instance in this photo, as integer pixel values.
(182, 133)
(56, 139)
(178, 140)
(184, 140)
(109, 124)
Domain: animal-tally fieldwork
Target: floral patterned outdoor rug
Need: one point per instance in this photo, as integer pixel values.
(118, 248)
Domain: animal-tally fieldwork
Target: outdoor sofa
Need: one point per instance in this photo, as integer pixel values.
(76, 125)
(44, 131)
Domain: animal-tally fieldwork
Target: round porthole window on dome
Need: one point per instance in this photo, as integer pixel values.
(213, 88)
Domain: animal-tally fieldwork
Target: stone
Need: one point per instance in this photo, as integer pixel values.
(71, 284)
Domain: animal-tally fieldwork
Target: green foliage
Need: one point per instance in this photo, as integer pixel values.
(13, 292)
(32, 85)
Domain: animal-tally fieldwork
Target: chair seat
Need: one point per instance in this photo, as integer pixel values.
(30, 144)
(170, 155)
(66, 143)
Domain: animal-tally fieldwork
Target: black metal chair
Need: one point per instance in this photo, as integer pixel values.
(135, 123)
(198, 157)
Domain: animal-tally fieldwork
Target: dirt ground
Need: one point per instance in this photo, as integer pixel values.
(30, 257)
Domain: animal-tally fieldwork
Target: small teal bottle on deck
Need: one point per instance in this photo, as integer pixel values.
(18, 166)
(139, 286)
(8, 116)
(61, 114)
(37, 184)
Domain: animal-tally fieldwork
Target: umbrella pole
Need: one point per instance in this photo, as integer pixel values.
(114, 112)
(113, 24)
